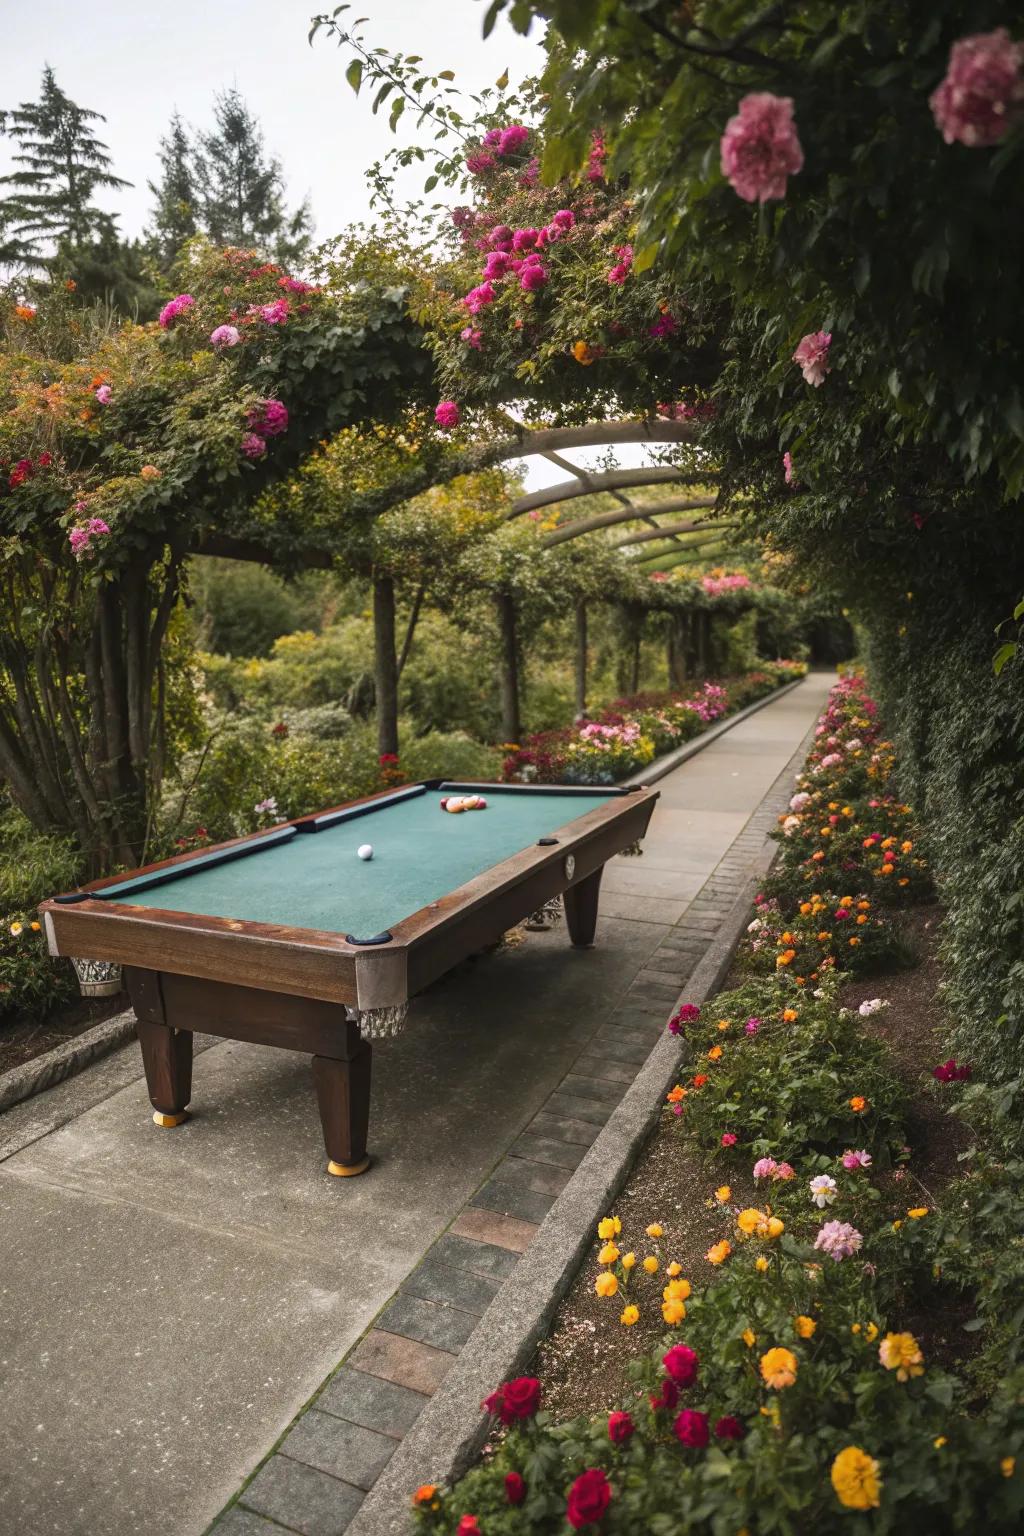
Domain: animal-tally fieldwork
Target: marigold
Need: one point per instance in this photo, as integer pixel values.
(805, 1326)
(583, 353)
(900, 1352)
(629, 1315)
(778, 1368)
(700, 1079)
(858, 1104)
(675, 1094)
(1008, 1466)
(789, 1015)
(606, 1283)
(424, 1493)
(677, 1290)
(719, 1252)
(608, 1227)
(628, 1260)
(761, 1263)
(855, 1479)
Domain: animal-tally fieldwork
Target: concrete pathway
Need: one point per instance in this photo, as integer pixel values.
(169, 1301)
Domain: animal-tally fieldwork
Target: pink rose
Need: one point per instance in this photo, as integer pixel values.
(981, 95)
(812, 356)
(447, 414)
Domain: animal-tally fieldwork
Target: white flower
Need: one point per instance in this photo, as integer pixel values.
(823, 1190)
(790, 825)
(871, 1005)
(266, 807)
(755, 926)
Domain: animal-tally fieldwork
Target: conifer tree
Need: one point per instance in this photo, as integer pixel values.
(241, 188)
(174, 216)
(59, 166)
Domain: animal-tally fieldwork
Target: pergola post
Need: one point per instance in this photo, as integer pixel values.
(385, 664)
(508, 667)
(581, 659)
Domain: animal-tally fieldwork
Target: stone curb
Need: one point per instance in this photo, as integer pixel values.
(664, 765)
(65, 1060)
(449, 1433)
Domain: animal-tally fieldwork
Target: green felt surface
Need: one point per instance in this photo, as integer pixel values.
(316, 880)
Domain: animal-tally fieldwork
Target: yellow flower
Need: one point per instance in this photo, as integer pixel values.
(855, 1479)
(609, 1253)
(804, 1326)
(723, 1024)
(677, 1290)
(719, 1253)
(871, 1332)
(606, 1283)
(789, 1015)
(673, 1311)
(1008, 1466)
(749, 1337)
(918, 1212)
(609, 1227)
(583, 353)
(778, 1368)
(939, 1442)
(900, 1352)
(761, 1263)
(655, 1230)
(651, 1264)
(628, 1260)
(771, 1228)
(629, 1315)
(749, 1220)
(674, 1269)
(896, 1225)
(16, 928)
(723, 1194)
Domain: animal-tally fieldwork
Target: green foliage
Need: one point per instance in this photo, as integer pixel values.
(32, 868)
(239, 191)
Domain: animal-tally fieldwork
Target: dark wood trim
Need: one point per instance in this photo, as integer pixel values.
(581, 902)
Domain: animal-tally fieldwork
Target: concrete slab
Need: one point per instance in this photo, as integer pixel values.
(172, 1298)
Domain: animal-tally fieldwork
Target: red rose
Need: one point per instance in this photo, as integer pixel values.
(691, 1428)
(667, 1397)
(589, 1497)
(44, 460)
(681, 1364)
(515, 1488)
(729, 1428)
(518, 1399)
(620, 1427)
(468, 1527)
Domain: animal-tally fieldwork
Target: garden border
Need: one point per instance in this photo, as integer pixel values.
(64, 1061)
(451, 1430)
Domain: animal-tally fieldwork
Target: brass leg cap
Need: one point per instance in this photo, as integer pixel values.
(348, 1170)
(169, 1120)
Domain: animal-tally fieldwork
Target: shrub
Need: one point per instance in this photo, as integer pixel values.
(32, 867)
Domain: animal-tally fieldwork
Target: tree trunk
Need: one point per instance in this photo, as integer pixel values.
(410, 628)
(509, 668)
(385, 665)
(634, 676)
(581, 660)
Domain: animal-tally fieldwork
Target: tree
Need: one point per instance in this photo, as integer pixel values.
(61, 165)
(176, 194)
(240, 190)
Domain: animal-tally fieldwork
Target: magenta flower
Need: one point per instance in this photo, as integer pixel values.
(525, 239)
(665, 325)
(618, 274)
(274, 314)
(513, 139)
(682, 1364)
(787, 464)
(253, 446)
(104, 394)
(477, 297)
(950, 1072)
(225, 336)
(760, 147)
(80, 538)
(851, 1161)
(295, 285)
(728, 1139)
(532, 277)
(689, 1013)
(564, 219)
(269, 418)
(493, 137)
(812, 356)
(501, 236)
(447, 414)
(595, 160)
(472, 336)
(981, 95)
(480, 162)
(496, 264)
(729, 1428)
(752, 1026)
(691, 1428)
(176, 307)
(839, 1240)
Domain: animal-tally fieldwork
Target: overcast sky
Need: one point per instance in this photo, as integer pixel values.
(136, 61)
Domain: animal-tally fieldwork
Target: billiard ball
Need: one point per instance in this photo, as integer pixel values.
(365, 850)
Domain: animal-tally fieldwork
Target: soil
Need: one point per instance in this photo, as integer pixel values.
(583, 1363)
(28, 1038)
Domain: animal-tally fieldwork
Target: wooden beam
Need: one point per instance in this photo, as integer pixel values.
(581, 525)
(610, 480)
(668, 531)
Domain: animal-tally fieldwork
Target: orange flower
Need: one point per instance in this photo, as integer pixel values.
(24, 311)
(719, 1253)
(700, 1080)
(789, 1015)
(778, 1368)
(715, 1053)
(675, 1094)
(424, 1493)
(858, 1104)
(583, 353)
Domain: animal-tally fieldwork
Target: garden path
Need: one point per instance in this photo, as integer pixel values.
(170, 1301)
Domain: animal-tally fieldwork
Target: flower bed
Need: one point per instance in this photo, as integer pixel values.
(843, 1347)
(632, 732)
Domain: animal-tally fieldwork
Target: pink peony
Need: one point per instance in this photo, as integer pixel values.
(496, 264)
(500, 236)
(981, 96)
(447, 414)
(564, 219)
(532, 277)
(812, 356)
(477, 297)
(765, 1168)
(269, 418)
(480, 162)
(104, 394)
(785, 1171)
(176, 307)
(295, 285)
(618, 274)
(472, 336)
(691, 1428)
(80, 538)
(253, 446)
(513, 139)
(620, 1428)
(596, 159)
(225, 336)
(525, 239)
(839, 1240)
(760, 147)
(274, 314)
(688, 1013)
(854, 1160)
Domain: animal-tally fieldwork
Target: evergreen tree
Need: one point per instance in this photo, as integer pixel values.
(60, 166)
(174, 217)
(241, 188)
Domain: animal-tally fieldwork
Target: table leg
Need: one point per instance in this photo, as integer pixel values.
(167, 1059)
(343, 1095)
(581, 902)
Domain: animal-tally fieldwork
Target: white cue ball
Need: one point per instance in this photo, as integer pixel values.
(365, 851)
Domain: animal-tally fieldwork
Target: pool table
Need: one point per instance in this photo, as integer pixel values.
(287, 937)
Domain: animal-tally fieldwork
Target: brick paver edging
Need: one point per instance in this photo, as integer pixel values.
(450, 1431)
(52, 1067)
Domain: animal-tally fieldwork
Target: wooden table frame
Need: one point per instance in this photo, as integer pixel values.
(315, 991)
